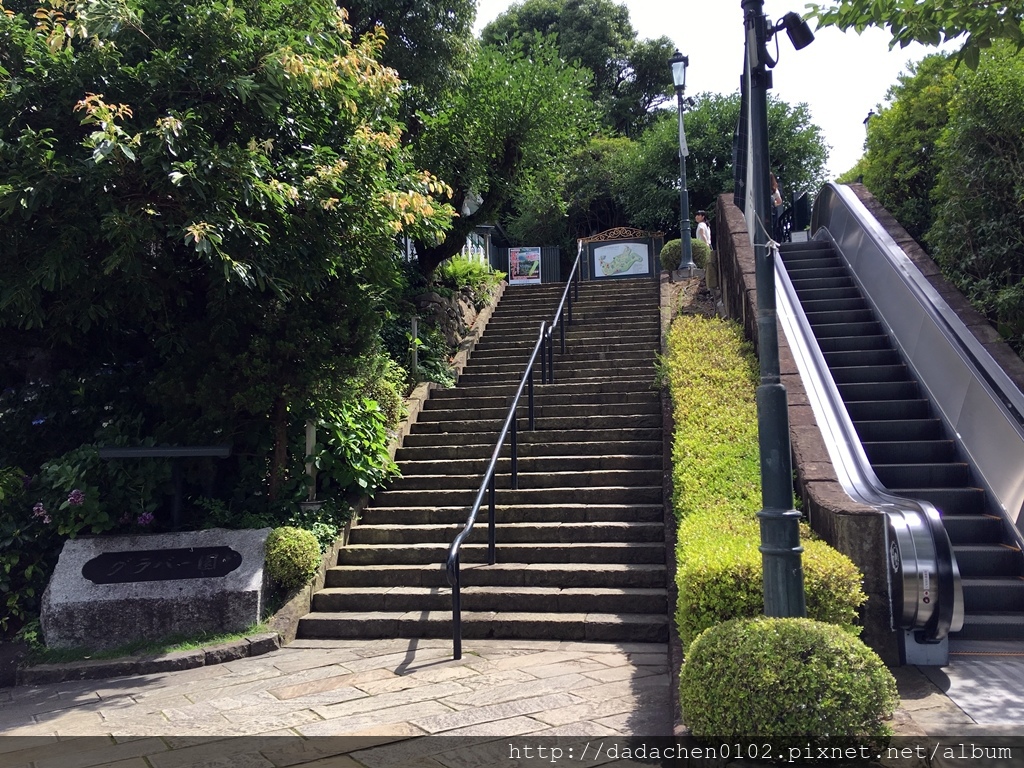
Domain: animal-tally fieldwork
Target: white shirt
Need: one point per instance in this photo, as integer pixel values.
(704, 233)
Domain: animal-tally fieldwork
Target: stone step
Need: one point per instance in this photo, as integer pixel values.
(596, 627)
(530, 480)
(527, 437)
(569, 362)
(594, 420)
(502, 574)
(504, 495)
(534, 553)
(476, 599)
(518, 533)
(522, 349)
(541, 397)
(575, 389)
(533, 464)
(632, 373)
(578, 410)
(523, 513)
(528, 450)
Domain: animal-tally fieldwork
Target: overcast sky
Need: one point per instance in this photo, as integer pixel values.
(841, 76)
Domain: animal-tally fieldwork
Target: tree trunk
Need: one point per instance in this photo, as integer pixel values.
(280, 457)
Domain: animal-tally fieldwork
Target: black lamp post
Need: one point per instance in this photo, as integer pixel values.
(780, 533)
(679, 63)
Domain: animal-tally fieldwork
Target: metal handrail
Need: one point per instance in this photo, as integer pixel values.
(572, 281)
(451, 564)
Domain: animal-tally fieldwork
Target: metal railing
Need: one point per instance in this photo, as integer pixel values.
(543, 347)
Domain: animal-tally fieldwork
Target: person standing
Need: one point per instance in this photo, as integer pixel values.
(776, 206)
(703, 230)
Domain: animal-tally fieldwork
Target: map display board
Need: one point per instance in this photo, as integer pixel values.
(621, 260)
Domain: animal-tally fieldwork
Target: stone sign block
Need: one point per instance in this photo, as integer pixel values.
(108, 591)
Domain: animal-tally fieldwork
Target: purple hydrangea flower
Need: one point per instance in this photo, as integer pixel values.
(146, 518)
(38, 510)
(76, 498)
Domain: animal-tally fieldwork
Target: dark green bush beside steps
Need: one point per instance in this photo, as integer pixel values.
(672, 254)
(292, 557)
(788, 682)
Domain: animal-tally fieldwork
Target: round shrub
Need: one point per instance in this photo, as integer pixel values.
(788, 682)
(671, 254)
(292, 557)
(719, 576)
(701, 253)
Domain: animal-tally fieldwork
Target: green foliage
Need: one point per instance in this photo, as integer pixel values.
(630, 76)
(27, 552)
(712, 376)
(351, 455)
(476, 277)
(930, 22)
(671, 255)
(292, 557)
(978, 234)
(901, 162)
(701, 252)
(517, 116)
(795, 683)
(719, 575)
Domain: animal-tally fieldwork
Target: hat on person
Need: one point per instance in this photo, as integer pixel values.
(701, 213)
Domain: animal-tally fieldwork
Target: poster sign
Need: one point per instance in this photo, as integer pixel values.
(622, 260)
(523, 266)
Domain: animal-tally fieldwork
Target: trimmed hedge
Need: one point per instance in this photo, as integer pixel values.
(672, 254)
(712, 375)
(793, 683)
(292, 557)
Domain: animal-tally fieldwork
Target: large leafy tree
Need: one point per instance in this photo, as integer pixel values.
(428, 42)
(630, 77)
(978, 233)
(512, 126)
(901, 162)
(931, 21)
(201, 196)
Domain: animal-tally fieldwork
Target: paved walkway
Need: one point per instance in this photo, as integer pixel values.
(386, 691)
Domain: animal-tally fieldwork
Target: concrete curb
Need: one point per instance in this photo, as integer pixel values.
(96, 669)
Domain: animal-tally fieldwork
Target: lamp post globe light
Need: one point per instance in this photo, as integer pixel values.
(679, 63)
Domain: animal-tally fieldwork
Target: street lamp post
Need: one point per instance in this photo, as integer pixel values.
(780, 532)
(679, 63)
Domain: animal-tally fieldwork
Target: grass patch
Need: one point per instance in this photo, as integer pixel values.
(40, 654)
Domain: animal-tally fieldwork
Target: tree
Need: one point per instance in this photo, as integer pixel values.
(202, 199)
(978, 234)
(930, 21)
(429, 43)
(901, 162)
(518, 118)
(630, 77)
(647, 178)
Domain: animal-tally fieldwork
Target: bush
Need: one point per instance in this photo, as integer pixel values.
(672, 254)
(790, 682)
(292, 557)
(719, 575)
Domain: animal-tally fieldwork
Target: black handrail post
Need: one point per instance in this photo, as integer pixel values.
(569, 294)
(551, 359)
(533, 423)
(457, 614)
(515, 454)
(491, 533)
(561, 334)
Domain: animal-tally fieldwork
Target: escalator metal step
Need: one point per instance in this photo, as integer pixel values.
(868, 328)
(878, 410)
(1006, 625)
(973, 529)
(822, 282)
(852, 358)
(900, 431)
(817, 272)
(831, 317)
(853, 343)
(880, 390)
(951, 501)
(987, 561)
(864, 373)
(985, 595)
(821, 293)
(910, 451)
(938, 476)
(843, 304)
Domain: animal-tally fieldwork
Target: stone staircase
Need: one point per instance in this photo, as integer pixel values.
(580, 544)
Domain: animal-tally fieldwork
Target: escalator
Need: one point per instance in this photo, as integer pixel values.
(933, 423)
